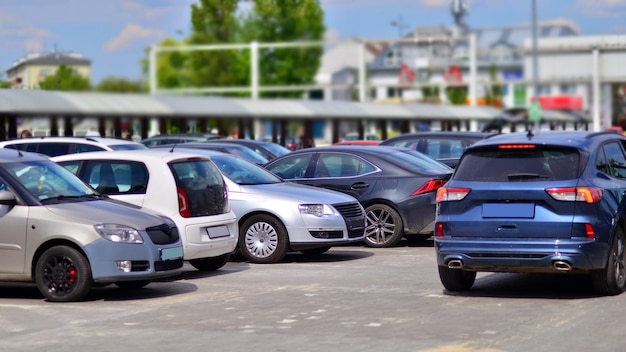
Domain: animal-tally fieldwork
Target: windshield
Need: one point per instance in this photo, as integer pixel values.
(246, 153)
(276, 149)
(243, 172)
(46, 180)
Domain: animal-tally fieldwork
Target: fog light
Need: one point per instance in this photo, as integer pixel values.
(124, 266)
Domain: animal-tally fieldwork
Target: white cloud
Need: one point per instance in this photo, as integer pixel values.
(435, 3)
(17, 34)
(132, 35)
(601, 8)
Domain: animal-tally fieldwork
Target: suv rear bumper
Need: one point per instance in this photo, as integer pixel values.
(521, 256)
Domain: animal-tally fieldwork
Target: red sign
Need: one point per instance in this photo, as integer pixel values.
(561, 102)
(406, 76)
(453, 75)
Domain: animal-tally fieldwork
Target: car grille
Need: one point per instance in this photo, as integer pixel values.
(163, 234)
(354, 217)
(168, 265)
(350, 210)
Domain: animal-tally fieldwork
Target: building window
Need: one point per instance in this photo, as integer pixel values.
(501, 53)
(543, 89)
(567, 89)
(393, 57)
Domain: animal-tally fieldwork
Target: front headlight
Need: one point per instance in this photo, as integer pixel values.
(119, 233)
(316, 209)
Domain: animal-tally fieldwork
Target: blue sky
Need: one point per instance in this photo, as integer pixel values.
(114, 33)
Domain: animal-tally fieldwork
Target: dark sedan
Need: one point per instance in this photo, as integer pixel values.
(446, 146)
(396, 186)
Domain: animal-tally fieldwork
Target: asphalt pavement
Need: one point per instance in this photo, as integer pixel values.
(351, 298)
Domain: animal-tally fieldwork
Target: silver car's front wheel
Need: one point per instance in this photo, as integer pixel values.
(263, 239)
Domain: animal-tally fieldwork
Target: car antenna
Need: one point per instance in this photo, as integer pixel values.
(530, 134)
(172, 150)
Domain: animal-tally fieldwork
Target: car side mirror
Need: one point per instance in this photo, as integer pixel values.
(7, 198)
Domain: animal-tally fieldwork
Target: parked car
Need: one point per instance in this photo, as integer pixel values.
(291, 143)
(268, 150)
(53, 146)
(187, 188)
(358, 142)
(446, 146)
(177, 138)
(59, 233)
(551, 202)
(396, 188)
(275, 216)
(354, 136)
(230, 148)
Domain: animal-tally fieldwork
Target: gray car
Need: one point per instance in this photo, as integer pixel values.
(58, 232)
(276, 216)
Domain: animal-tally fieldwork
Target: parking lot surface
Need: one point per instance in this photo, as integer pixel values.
(352, 298)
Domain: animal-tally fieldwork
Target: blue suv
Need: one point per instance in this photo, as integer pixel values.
(551, 202)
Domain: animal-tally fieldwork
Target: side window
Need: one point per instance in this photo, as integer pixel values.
(407, 143)
(53, 149)
(294, 166)
(116, 177)
(601, 164)
(337, 165)
(82, 148)
(615, 159)
(444, 148)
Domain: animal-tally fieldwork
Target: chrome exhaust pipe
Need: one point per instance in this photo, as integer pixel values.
(562, 266)
(455, 264)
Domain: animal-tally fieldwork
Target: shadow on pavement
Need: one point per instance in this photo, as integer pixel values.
(547, 286)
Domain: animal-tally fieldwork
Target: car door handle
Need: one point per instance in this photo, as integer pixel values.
(360, 185)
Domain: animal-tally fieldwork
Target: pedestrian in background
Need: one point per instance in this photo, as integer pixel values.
(26, 134)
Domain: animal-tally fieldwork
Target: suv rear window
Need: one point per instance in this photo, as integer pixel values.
(203, 186)
(510, 165)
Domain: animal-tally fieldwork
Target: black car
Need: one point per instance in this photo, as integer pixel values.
(446, 146)
(268, 150)
(396, 186)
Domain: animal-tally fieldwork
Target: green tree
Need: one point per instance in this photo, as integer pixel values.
(286, 21)
(67, 79)
(216, 22)
(457, 95)
(120, 85)
(173, 67)
(5, 84)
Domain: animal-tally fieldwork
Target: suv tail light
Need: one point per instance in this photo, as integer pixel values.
(576, 194)
(451, 194)
(429, 186)
(183, 203)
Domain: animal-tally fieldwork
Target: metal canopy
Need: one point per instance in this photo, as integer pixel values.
(37, 102)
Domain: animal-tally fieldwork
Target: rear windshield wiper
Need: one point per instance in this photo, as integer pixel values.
(525, 175)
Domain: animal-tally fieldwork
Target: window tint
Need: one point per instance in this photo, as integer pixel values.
(444, 148)
(116, 177)
(54, 149)
(82, 148)
(72, 166)
(615, 159)
(337, 165)
(201, 184)
(511, 165)
(291, 167)
(408, 143)
(129, 146)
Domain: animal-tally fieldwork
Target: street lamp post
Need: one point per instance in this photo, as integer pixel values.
(534, 109)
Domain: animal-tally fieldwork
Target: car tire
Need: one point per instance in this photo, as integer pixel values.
(612, 279)
(263, 239)
(383, 226)
(63, 274)
(456, 279)
(315, 251)
(210, 264)
(132, 285)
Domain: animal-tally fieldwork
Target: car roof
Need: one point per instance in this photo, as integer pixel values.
(462, 134)
(576, 139)
(12, 155)
(201, 144)
(161, 154)
(89, 139)
(358, 149)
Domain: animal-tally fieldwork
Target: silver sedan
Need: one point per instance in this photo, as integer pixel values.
(276, 216)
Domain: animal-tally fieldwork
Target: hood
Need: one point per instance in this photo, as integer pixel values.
(105, 211)
(298, 193)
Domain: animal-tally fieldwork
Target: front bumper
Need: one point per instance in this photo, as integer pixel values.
(146, 259)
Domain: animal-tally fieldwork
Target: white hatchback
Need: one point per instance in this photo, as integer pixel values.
(187, 188)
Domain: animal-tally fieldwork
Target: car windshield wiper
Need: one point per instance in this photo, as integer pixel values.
(525, 175)
(82, 196)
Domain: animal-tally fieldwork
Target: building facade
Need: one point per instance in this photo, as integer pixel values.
(29, 71)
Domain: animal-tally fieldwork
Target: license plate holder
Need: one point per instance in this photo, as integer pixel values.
(171, 253)
(217, 232)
